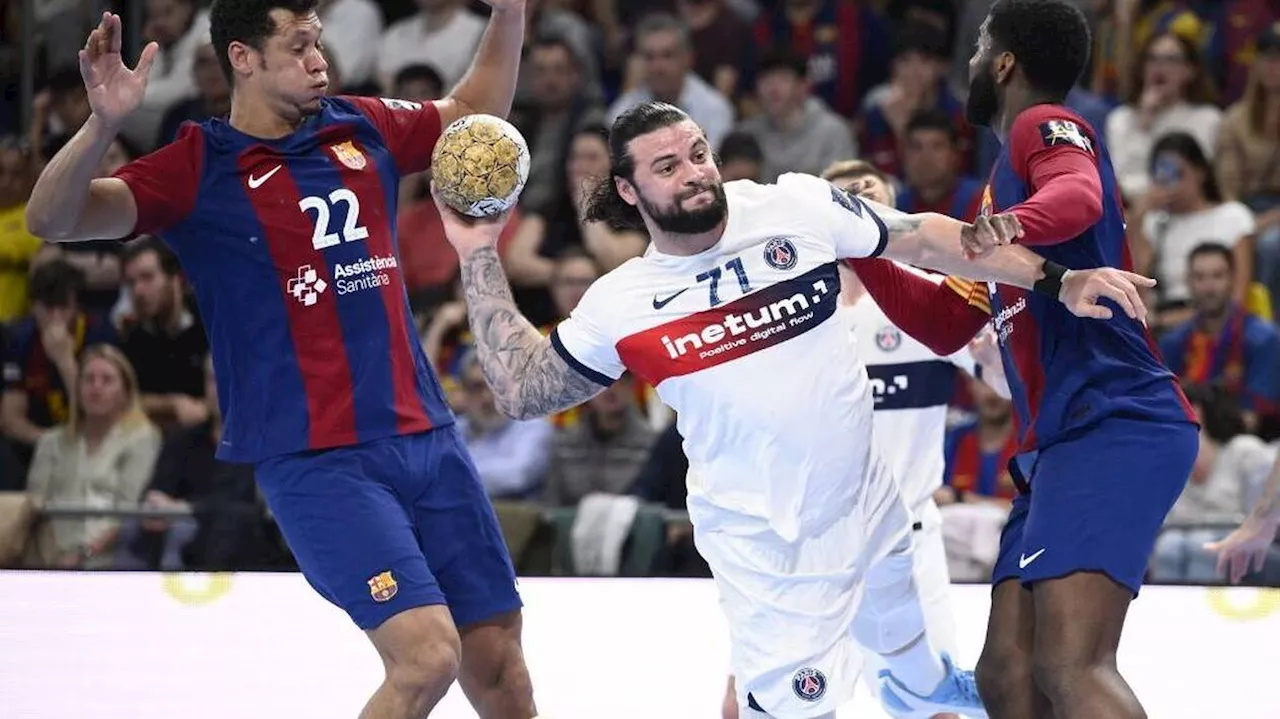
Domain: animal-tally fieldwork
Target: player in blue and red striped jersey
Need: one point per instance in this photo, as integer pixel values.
(1108, 438)
(283, 217)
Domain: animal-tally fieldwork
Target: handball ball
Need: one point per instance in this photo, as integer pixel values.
(480, 165)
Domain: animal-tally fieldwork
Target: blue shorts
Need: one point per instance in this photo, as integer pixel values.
(1097, 502)
(385, 526)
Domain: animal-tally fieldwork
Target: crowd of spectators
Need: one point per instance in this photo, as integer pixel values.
(108, 398)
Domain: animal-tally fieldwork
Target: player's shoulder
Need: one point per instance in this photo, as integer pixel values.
(1050, 125)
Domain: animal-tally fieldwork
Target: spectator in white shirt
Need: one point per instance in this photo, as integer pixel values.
(102, 458)
(666, 62)
(351, 32)
(1171, 93)
(1182, 209)
(179, 27)
(443, 34)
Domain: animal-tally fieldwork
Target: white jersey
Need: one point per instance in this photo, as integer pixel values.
(744, 342)
(912, 387)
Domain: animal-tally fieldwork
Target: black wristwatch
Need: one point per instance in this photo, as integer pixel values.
(1051, 283)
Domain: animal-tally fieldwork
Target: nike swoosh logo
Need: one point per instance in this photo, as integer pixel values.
(256, 182)
(1024, 560)
(659, 304)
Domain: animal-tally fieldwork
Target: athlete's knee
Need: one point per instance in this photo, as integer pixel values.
(421, 651)
(1059, 671)
(1004, 676)
(493, 661)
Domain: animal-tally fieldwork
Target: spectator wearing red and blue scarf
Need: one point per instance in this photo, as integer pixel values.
(1223, 344)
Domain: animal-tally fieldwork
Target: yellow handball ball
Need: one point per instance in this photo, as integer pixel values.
(480, 165)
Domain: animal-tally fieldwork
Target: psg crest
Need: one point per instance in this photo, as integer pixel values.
(888, 338)
(780, 253)
(809, 684)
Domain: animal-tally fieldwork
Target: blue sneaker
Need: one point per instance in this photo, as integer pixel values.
(957, 694)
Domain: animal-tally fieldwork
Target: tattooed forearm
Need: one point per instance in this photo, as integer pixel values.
(526, 375)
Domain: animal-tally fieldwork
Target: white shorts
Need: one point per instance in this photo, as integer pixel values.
(933, 585)
(791, 607)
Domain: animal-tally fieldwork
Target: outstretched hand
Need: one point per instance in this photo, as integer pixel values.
(1082, 290)
(468, 234)
(1243, 550)
(114, 90)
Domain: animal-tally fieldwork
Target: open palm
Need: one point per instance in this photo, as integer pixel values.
(114, 90)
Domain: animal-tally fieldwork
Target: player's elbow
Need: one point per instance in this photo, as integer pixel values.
(43, 223)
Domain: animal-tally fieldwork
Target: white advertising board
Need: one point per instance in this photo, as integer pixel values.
(138, 646)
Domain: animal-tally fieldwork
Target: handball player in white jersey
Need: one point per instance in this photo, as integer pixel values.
(730, 315)
(911, 387)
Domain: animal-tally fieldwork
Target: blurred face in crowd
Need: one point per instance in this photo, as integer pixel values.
(869, 186)
(209, 79)
(1267, 68)
(992, 408)
(168, 20)
(1166, 68)
(918, 71)
(615, 400)
(555, 79)
(569, 282)
(418, 90)
(587, 164)
(1182, 182)
(739, 168)
(290, 72)
(781, 92)
(1211, 283)
(154, 293)
(115, 158)
(71, 107)
(676, 183)
(664, 62)
(103, 389)
(16, 178)
(478, 405)
(929, 158)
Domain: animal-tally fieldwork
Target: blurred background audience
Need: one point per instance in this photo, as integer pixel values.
(109, 416)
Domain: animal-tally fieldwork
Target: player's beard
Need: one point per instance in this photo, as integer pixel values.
(984, 98)
(679, 221)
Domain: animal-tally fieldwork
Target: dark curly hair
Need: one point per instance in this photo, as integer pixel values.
(1049, 38)
(605, 204)
(248, 22)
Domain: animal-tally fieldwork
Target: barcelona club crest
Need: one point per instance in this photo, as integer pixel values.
(780, 253)
(809, 684)
(348, 155)
(383, 587)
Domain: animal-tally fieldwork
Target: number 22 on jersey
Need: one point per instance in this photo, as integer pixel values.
(342, 199)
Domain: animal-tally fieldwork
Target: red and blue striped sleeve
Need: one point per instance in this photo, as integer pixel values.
(942, 316)
(165, 183)
(1052, 151)
(409, 129)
